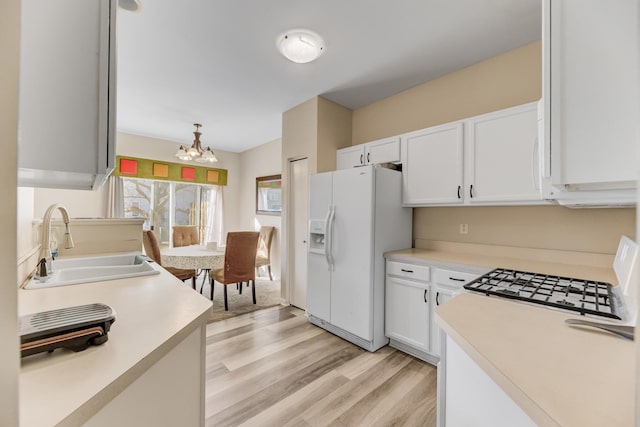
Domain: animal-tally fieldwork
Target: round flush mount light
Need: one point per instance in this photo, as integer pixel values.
(300, 46)
(130, 5)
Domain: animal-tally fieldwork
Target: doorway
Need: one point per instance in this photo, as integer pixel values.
(298, 219)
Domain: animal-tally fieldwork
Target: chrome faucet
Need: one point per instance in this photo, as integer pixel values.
(44, 264)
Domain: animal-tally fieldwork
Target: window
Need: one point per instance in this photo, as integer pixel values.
(269, 195)
(165, 204)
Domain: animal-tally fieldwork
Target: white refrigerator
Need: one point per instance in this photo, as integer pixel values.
(355, 216)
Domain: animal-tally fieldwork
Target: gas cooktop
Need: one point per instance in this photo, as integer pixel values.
(586, 297)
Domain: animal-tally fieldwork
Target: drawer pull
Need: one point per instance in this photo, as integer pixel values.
(457, 280)
(425, 295)
(406, 271)
(437, 295)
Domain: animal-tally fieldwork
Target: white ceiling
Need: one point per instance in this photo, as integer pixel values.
(215, 61)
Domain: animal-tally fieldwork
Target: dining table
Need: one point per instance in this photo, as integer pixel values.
(193, 257)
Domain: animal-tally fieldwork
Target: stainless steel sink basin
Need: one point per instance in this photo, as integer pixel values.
(72, 271)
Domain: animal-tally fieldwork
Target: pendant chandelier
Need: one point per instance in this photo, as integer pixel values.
(195, 152)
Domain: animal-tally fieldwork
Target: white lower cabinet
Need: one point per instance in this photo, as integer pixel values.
(413, 293)
(442, 295)
(407, 312)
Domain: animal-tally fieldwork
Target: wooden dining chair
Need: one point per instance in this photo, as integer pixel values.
(239, 263)
(185, 235)
(263, 254)
(152, 249)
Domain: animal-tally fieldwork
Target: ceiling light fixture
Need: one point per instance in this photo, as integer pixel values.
(195, 152)
(130, 5)
(300, 46)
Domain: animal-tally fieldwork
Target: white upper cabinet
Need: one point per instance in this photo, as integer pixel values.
(432, 165)
(591, 100)
(67, 93)
(385, 150)
(492, 159)
(350, 157)
(503, 156)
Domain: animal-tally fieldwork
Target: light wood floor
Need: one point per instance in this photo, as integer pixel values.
(274, 368)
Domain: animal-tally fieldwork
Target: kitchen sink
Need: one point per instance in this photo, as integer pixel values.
(73, 271)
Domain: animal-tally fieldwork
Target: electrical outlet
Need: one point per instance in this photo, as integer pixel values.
(464, 228)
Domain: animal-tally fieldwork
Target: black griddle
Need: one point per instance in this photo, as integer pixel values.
(74, 328)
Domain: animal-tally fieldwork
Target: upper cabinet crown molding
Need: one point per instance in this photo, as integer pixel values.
(67, 93)
(591, 103)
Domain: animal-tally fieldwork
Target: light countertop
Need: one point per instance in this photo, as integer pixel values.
(559, 375)
(153, 314)
(517, 261)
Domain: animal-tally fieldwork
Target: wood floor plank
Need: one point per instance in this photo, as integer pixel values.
(256, 323)
(273, 368)
(383, 399)
(247, 356)
(332, 406)
(292, 357)
(364, 362)
(249, 318)
(216, 370)
(289, 384)
(286, 412)
(250, 341)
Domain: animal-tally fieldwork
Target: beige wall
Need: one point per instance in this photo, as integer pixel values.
(503, 81)
(79, 203)
(263, 160)
(299, 133)
(543, 227)
(9, 64)
(334, 132)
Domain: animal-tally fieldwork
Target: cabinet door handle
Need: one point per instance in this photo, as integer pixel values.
(362, 159)
(437, 295)
(425, 296)
(457, 280)
(471, 191)
(535, 164)
(406, 271)
(368, 157)
(459, 188)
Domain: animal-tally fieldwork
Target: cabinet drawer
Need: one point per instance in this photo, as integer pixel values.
(410, 271)
(453, 278)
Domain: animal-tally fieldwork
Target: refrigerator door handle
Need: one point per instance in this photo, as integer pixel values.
(326, 237)
(332, 217)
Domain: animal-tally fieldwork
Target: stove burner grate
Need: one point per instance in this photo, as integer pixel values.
(576, 295)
